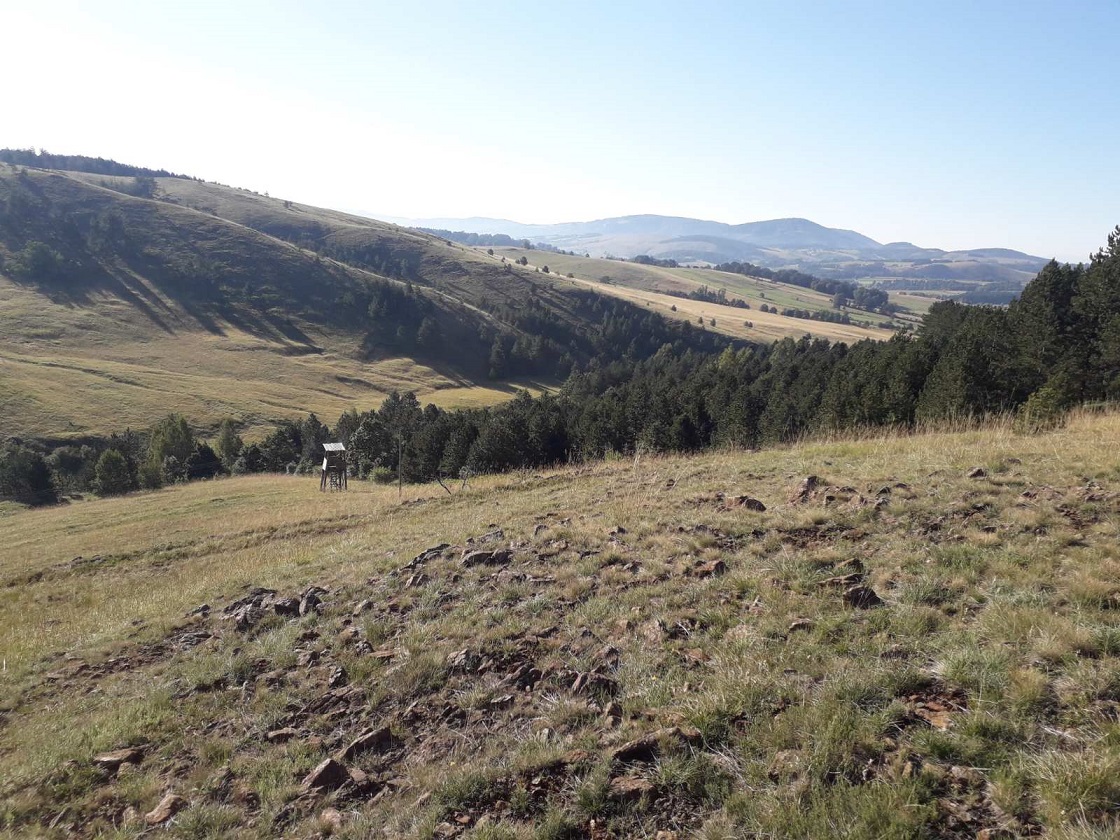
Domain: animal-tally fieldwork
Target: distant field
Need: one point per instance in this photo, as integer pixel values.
(639, 284)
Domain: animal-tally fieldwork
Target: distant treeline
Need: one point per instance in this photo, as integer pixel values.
(81, 163)
(1056, 347)
(646, 259)
(873, 300)
(501, 240)
(708, 296)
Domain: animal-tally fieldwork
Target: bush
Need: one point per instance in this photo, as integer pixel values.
(37, 262)
(25, 477)
(111, 475)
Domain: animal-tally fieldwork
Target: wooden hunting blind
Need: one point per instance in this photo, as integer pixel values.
(334, 467)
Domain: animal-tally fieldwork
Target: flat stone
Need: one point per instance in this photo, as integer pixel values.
(168, 807)
(280, 736)
(380, 740)
(499, 557)
(113, 760)
(630, 789)
(648, 747)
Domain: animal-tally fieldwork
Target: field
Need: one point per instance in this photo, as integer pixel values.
(642, 284)
(924, 641)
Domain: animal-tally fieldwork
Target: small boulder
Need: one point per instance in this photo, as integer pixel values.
(329, 775)
(630, 789)
(379, 740)
(648, 747)
(747, 503)
(338, 677)
(804, 490)
(977, 472)
(168, 807)
(286, 607)
(800, 624)
(310, 601)
(280, 736)
(710, 568)
(862, 597)
(113, 760)
(500, 557)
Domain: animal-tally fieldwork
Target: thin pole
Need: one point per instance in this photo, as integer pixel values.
(400, 464)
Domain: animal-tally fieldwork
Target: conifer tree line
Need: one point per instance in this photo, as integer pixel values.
(1056, 347)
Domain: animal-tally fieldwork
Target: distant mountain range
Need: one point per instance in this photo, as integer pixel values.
(778, 243)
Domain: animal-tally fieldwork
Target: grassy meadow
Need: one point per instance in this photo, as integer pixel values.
(68, 371)
(637, 651)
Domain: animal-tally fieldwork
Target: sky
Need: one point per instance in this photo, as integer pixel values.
(948, 124)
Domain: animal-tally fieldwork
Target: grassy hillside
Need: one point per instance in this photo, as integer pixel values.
(199, 300)
(906, 647)
(649, 285)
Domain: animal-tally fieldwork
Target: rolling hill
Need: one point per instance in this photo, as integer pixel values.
(779, 243)
(126, 296)
(208, 300)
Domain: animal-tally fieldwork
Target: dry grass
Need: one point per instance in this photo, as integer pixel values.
(67, 371)
(982, 695)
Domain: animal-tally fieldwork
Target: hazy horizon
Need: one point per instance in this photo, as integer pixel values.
(953, 127)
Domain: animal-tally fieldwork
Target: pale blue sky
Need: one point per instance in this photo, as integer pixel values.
(949, 124)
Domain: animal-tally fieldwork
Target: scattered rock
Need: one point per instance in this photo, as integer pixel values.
(747, 503)
(862, 597)
(202, 610)
(168, 807)
(630, 789)
(286, 607)
(113, 760)
(648, 747)
(380, 740)
(338, 677)
(710, 568)
(311, 601)
(500, 557)
(426, 555)
(329, 775)
(280, 736)
(613, 713)
(463, 660)
(539, 529)
(804, 490)
(843, 580)
(977, 472)
(800, 624)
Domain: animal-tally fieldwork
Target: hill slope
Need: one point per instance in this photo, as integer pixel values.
(207, 300)
(608, 651)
